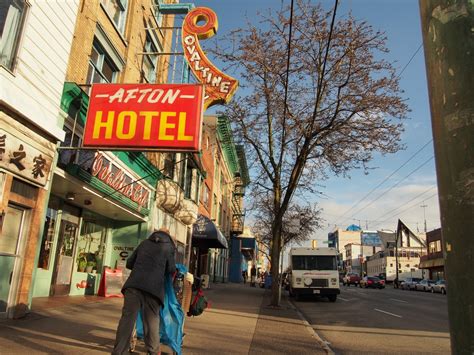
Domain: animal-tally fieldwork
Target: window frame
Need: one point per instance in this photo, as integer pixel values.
(20, 31)
(159, 17)
(151, 46)
(123, 6)
(103, 57)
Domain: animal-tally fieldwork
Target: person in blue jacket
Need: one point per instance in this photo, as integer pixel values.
(144, 290)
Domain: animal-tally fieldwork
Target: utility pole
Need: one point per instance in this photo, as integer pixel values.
(424, 213)
(449, 54)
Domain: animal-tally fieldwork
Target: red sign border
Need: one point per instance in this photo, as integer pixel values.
(201, 108)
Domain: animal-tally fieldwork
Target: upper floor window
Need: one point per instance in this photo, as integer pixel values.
(158, 14)
(169, 163)
(117, 10)
(101, 66)
(205, 195)
(150, 59)
(432, 247)
(12, 15)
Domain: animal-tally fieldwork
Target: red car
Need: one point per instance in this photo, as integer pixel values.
(372, 282)
(351, 279)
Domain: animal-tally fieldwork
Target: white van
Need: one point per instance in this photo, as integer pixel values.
(313, 271)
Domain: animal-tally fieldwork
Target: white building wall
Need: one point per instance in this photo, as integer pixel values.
(408, 267)
(35, 87)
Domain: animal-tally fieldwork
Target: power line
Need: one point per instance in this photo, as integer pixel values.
(413, 56)
(410, 207)
(404, 204)
(396, 184)
(388, 177)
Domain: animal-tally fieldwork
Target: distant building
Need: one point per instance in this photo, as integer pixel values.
(434, 260)
(350, 243)
(356, 255)
(409, 247)
(340, 238)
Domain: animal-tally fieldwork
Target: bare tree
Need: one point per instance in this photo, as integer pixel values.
(299, 223)
(343, 103)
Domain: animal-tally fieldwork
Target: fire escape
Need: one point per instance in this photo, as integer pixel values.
(237, 206)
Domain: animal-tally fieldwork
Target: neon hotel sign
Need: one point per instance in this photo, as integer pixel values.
(219, 87)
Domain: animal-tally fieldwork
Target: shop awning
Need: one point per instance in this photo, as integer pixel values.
(427, 264)
(207, 235)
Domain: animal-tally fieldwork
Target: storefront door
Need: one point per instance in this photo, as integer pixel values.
(10, 241)
(64, 258)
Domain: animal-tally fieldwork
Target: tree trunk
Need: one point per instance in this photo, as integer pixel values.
(276, 247)
(276, 243)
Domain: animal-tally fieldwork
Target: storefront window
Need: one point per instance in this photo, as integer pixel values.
(91, 245)
(48, 234)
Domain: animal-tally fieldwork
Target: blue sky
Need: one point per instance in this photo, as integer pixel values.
(400, 20)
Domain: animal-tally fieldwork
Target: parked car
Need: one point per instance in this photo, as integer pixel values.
(424, 285)
(410, 283)
(439, 286)
(351, 279)
(372, 282)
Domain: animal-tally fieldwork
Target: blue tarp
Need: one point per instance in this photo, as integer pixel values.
(171, 316)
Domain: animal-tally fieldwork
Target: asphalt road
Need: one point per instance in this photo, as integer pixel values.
(373, 321)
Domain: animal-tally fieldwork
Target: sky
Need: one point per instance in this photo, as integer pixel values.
(399, 184)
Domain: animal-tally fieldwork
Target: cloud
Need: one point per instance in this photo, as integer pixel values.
(402, 202)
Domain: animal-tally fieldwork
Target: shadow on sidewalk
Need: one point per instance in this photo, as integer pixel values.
(77, 328)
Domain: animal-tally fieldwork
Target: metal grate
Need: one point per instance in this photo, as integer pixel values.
(319, 283)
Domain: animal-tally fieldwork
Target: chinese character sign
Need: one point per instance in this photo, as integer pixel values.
(145, 117)
(23, 159)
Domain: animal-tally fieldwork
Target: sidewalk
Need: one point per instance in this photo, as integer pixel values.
(239, 322)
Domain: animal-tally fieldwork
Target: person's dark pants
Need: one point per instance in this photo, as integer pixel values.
(134, 300)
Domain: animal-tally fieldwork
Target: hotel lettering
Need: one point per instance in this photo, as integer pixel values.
(145, 117)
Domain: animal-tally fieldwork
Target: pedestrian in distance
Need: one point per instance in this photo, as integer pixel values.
(253, 275)
(244, 275)
(144, 290)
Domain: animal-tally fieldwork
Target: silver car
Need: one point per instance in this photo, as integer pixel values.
(439, 286)
(424, 285)
(410, 283)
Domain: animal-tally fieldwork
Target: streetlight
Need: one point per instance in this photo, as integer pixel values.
(424, 212)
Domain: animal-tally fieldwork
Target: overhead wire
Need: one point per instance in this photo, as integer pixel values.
(396, 184)
(410, 207)
(401, 206)
(383, 181)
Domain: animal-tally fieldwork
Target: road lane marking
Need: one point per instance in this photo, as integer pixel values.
(344, 299)
(395, 315)
(394, 299)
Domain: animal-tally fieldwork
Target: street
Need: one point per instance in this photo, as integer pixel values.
(380, 321)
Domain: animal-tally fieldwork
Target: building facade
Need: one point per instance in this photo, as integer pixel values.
(221, 200)
(400, 258)
(433, 261)
(384, 262)
(102, 203)
(33, 65)
(356, 256)
(68, 214)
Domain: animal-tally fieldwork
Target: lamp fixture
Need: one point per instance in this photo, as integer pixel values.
(70, 196)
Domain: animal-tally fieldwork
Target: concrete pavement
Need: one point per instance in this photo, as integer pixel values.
(238, 322)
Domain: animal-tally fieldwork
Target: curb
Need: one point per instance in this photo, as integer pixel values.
(311, 330)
